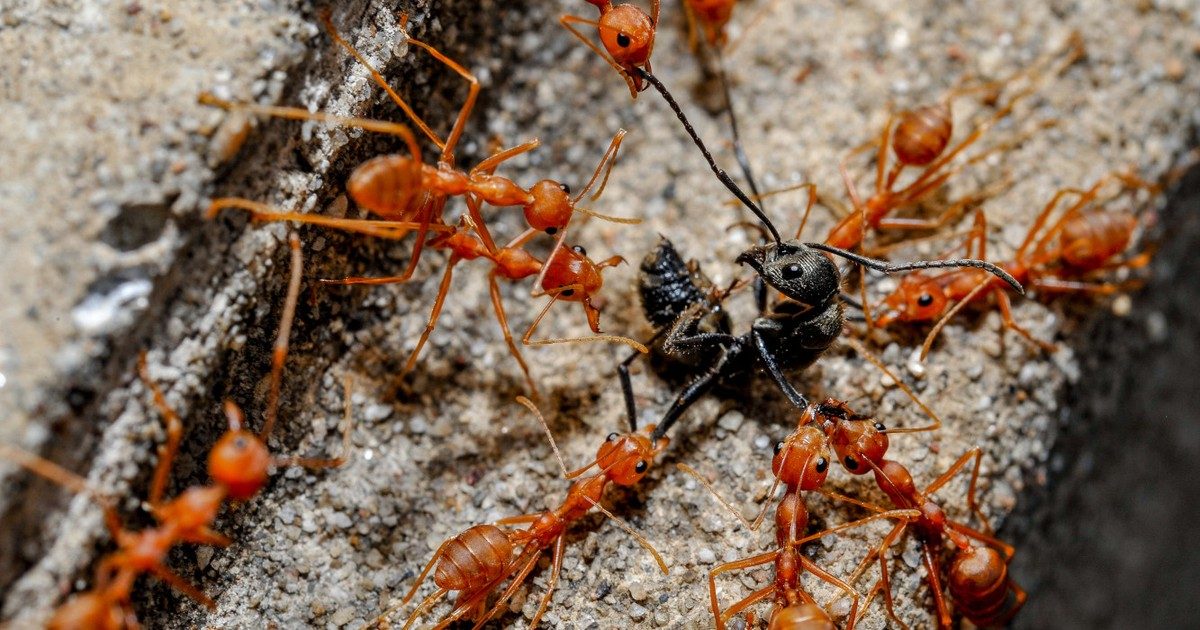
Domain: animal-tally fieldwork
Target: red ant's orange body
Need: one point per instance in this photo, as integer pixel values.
(479, 559)
(977, 575)
(409, 195)
(627, 33)
(712, 15)
(239, 465)
(920, 138)
(1063, 259)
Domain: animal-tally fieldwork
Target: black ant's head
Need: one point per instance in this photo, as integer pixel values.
(799, 272)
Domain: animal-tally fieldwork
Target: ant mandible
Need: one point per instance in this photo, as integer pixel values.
(626, 32)
(1065, 258)
(480, 558)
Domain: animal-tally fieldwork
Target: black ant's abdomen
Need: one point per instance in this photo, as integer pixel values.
(668, 286)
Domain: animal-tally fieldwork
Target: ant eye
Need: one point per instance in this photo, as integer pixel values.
(879, 427)
(641, 466)
(793, 271)
(565, 188)
(850, 463)
(578, 249)
(925, 300)
(778, 447)
(239, 443)
(568, 293)
(822, 464)
(612, 437)
(623, 40)
(552, 230)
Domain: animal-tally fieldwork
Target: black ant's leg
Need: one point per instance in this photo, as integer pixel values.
(768, 358)
(850, 301)
(627, 383)
(698, 387)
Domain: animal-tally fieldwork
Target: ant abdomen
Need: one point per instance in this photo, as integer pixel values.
(800, 617)
(667, 286)
(1089, 241)
(473, 558)
(979, 585)
(922, 134)
(385, 185)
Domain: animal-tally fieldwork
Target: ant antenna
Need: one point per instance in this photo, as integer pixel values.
(886, 267)
(712, 164)
(279, 352)
(739, 152)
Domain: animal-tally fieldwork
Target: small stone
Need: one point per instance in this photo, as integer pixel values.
(342, 617)
(638, 591)
(637, 612)
(732, 421)
(706, 556)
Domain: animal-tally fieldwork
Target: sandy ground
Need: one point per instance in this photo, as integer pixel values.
(122, 262)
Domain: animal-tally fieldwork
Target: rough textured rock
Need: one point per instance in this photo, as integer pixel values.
(109, 160)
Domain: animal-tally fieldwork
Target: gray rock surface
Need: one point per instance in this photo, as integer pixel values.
(109, 161)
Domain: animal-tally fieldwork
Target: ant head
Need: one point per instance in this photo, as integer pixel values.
(917, 299)
(627, 33)
(975, 570)
(800, 616)
(802, 459)
(241, 463)
(801, 273)
(385, 185)
(626, 457)
(922, 134)
(551, 208)
(92, 609)
(859, 443)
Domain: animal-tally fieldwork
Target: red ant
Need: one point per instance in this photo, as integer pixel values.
(712, 16)
(401, 188)
(978, 575)
(627, 34)
(239, 464)
(801, 464)
(479, 559)
(921, 138)
(1063, 259)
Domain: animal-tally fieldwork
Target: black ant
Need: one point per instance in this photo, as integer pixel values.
(787, 336)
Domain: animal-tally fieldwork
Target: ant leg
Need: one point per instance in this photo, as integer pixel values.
(555, 569)
(490, 163)
(935, 585)
(347, 428)
(568, 20)
(1043, 216)
(708, 486)
(1006, 313)
(1054, 285)
(296, 113)
(263, 213)
(327, 20)
(424, 607)
(744, 563)
(431, 323)
(1006, 549)
(607, 162)
(51, 472)
(512, 588)
(280, 349)
(746, 602)
(953, 470)
(183, 586)
(529, 341)
(768, 358)
(406, 275)
(829, 578)
(498, 306)
(694, 390)
(941, 323)
(174, 431)
(946, 216)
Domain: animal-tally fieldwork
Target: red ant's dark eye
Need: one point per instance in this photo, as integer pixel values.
(822, 464)
(623, 40)
(850, 463)
(879, 427)
(568, 293)
(612, 437)
(925, 300)
(552, 230)
(578, 249)
(778, 447)
(641, 466)
(239, 443)
(565, 188)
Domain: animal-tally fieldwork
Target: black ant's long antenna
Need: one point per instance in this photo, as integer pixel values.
(886, 267)
(739, 151)
(717, 170)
